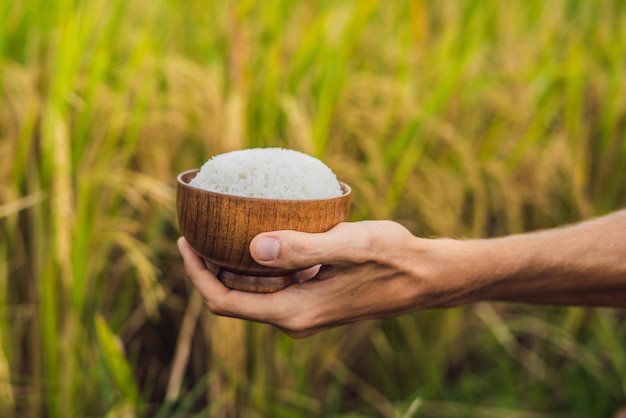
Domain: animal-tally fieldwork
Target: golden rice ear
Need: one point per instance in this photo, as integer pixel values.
(463, 118)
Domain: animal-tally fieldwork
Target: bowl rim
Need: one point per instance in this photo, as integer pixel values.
(347, 191)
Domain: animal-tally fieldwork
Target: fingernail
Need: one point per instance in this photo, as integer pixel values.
(306, 274)
(267, 249)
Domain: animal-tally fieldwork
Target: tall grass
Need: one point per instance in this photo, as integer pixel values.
(462, 118)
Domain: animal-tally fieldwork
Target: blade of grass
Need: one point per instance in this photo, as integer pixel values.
(7, 394)
(117, 363)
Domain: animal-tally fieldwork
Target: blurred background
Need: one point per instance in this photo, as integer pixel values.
(456, 118)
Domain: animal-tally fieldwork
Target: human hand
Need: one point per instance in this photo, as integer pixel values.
(371, 269)
(375, 269)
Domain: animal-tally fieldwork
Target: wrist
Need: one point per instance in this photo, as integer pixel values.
(581, 264)
(459, 272)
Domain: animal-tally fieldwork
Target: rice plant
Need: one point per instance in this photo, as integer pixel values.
(457, 118)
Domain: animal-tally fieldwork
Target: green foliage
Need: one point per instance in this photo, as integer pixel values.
(458, 118)
(117, 365)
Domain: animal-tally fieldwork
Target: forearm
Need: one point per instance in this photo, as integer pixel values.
(376, 269)
(583, 264)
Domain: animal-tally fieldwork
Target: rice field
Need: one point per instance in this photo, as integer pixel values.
(456, 118)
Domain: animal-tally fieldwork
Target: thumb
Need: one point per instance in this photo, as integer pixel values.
(296, 250)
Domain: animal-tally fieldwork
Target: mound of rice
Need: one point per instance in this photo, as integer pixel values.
(273, 173)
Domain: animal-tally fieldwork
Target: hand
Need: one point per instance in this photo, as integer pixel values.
(375, 269)
(371, 269)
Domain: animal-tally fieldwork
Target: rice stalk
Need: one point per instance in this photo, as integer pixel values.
(121, 410)
(7, 393)
(234, 129)
(347, 31)
(606, 322)
(183, 346)
(12, 207)
(137, 254)
(299, 402)
(19, 112)
(64, 60)
(413, 408)
(299, 127)
(113, 354)
(567, 344)
(369, 393)
(462, 119)
(228, 355)
(438, 409)
(57, 173)
(502, 332)
(56, 142)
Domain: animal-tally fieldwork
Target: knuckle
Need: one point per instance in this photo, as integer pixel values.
(378, 236)
(298, 334)
(299, 253)
(216, 307)
(297, 326)
(301, 246)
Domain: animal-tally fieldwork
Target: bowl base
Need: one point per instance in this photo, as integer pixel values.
(256, 284)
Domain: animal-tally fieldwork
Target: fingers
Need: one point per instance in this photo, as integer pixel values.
(283, 309)
(227, 302)
(302, 276)
(346, 243)
(201, 272)
(293, 250)
(350, 254)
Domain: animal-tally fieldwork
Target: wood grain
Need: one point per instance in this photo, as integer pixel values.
(219, 227)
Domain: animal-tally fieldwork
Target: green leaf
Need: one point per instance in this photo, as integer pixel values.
(116, 361)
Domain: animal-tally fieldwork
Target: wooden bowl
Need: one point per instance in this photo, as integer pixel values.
(219, 227)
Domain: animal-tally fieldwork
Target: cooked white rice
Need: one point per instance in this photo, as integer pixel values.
(273, 173)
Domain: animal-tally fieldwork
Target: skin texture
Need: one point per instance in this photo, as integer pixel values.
(376, 269)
